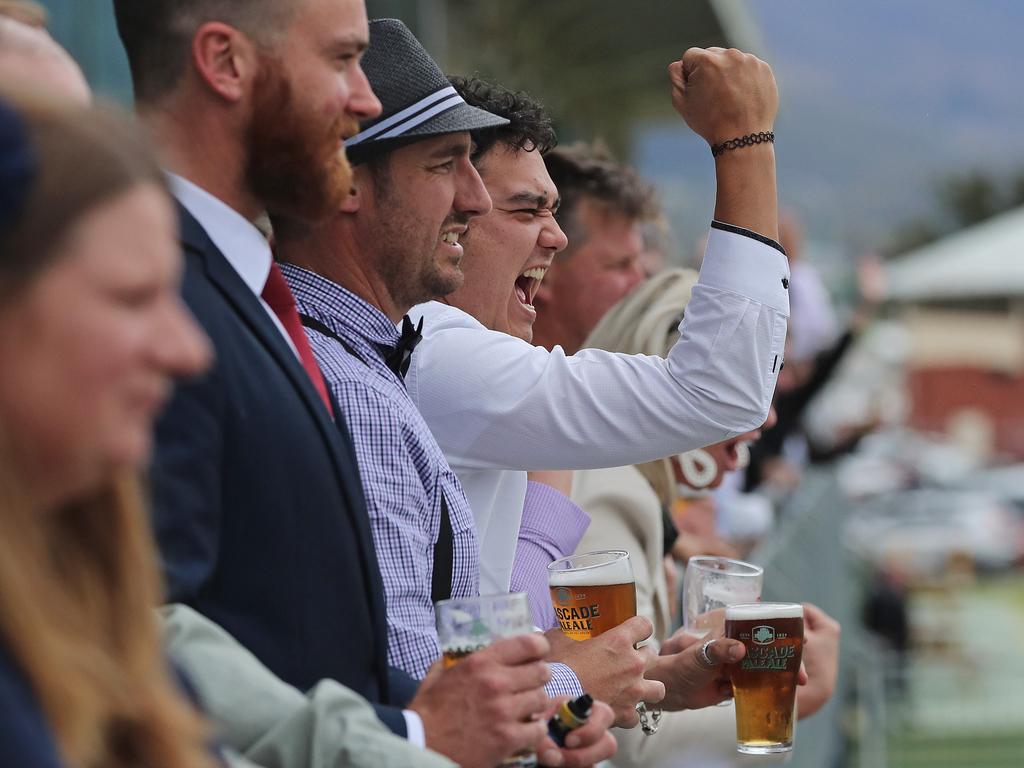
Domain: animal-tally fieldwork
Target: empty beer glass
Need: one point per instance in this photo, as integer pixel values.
(710, 584)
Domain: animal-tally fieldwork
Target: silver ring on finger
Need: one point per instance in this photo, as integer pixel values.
(702, 657)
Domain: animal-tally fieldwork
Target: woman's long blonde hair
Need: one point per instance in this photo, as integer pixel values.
(78, 584)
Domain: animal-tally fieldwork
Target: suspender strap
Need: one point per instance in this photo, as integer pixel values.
(444, 555)
(444, 549)
(316, 325)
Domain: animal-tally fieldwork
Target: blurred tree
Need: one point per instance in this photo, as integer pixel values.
(1017, 189)
(971, 198)
(913, 235)
(598, 65)
(963, 201)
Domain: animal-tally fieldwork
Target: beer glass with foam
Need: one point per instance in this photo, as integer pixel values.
(465, 625)
(764, 682)
(592, 593)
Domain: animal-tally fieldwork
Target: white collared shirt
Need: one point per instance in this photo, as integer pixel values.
(242, 244)
(500, 406)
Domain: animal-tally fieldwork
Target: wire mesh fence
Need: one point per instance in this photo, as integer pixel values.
(955, 699)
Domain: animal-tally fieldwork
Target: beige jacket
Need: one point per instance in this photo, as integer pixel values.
(272, 724)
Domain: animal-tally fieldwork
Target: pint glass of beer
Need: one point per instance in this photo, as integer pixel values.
(764, 682)
(465, 625)
(592, 593)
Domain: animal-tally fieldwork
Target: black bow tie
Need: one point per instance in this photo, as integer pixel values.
(399, 359)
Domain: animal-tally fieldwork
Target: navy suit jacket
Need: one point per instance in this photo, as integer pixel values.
(25, 737)
(26, 740)
(258, 508)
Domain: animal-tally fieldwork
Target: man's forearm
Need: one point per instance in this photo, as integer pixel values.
(724, 95)
(747, 194)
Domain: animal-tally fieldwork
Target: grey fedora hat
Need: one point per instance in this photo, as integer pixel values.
(417, 99)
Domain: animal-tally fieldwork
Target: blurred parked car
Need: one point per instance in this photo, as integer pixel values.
(927, 529)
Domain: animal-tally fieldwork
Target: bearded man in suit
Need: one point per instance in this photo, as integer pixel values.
(258, 508)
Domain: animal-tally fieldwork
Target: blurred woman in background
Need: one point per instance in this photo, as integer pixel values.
(92, 334)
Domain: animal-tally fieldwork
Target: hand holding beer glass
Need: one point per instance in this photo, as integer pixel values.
(465, 625)
(710, 584)
(764, 682)
(593, 593)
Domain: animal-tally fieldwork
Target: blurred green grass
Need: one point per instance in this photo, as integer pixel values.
(996, 750)
(964, 700)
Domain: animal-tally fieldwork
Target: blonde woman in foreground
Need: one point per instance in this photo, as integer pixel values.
(92, 333)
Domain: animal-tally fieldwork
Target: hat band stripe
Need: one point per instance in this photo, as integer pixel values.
(421, 118)
(399, 117)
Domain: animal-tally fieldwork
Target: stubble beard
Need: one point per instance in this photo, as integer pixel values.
(408, 266)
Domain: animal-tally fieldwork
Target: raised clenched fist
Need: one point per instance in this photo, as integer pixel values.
(723, 93)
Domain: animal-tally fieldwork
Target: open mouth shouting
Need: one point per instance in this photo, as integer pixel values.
(733, 450)
(527, 284)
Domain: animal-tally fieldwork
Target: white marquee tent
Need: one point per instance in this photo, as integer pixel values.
(983, 262)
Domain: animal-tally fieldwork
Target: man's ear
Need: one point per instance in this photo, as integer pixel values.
(225, 60)
(358, 188)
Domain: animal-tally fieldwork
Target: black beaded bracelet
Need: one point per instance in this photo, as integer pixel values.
(743, 141)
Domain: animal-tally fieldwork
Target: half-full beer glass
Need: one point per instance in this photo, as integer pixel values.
(764, 682)
(465, 625)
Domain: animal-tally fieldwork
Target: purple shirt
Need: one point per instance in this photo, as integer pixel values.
(552, 527)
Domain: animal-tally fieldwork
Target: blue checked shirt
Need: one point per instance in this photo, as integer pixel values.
(404, 472)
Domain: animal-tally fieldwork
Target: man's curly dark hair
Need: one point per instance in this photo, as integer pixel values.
(529, 127)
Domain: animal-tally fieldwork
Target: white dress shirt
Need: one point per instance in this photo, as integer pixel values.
(500, 406)
(241, 242)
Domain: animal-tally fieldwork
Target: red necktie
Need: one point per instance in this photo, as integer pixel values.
(279, 297)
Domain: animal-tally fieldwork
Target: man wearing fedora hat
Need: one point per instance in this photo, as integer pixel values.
(352, 283)
(392, 244)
